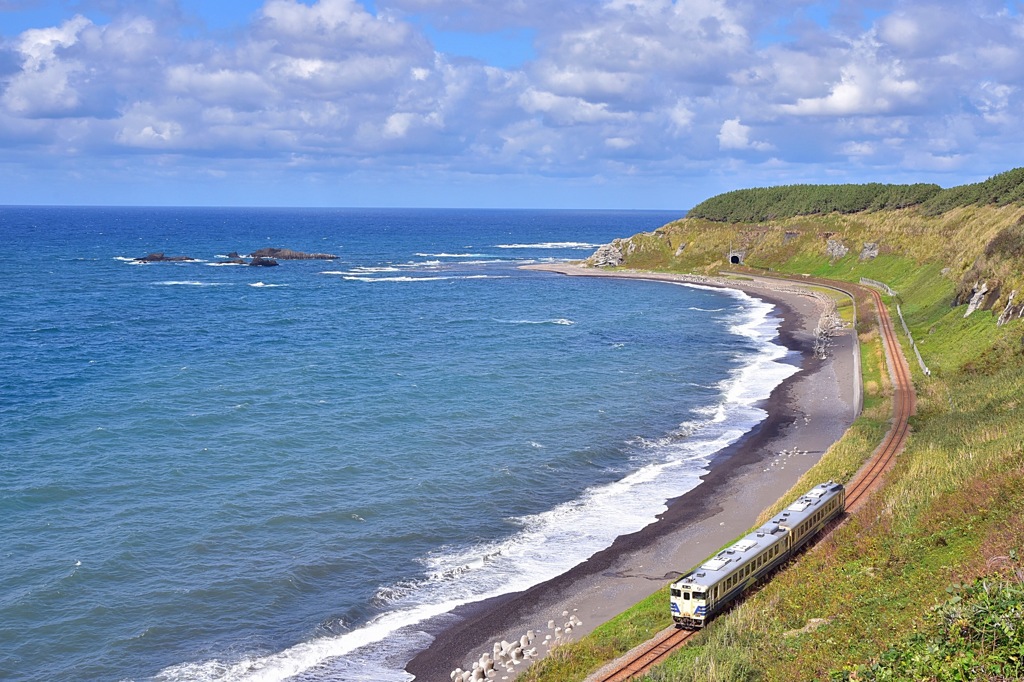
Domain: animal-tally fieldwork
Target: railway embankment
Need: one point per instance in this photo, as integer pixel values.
(924, 580)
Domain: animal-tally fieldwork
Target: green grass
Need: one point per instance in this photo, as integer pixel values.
(953, 503)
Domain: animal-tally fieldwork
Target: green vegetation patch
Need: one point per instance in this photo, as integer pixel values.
(976, 634)
(999, 190)
(772, 203)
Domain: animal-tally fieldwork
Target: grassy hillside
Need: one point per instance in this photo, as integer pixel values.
(928, 582)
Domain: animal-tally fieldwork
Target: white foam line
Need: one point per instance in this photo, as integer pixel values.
(450, 255)
(558, 321)
(190, 283)
(549, 245)
(421, 279)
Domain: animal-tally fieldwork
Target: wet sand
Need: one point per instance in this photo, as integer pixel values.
(806, 413)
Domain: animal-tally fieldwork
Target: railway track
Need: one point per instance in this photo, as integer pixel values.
(640, 660)
(870, 476)
(644, 657)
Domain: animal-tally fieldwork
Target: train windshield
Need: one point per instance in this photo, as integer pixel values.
(699, 595)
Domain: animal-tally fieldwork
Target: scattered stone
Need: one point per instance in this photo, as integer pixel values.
(812, 625)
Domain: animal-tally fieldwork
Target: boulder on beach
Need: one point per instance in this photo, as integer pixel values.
(288, 254)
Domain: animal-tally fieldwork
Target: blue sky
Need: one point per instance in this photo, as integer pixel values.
(576, 104)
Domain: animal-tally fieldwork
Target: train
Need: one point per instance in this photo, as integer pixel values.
(711, 587)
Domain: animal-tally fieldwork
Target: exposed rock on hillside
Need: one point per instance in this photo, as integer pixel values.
(869, 251)
(607, 255)
(836, 249)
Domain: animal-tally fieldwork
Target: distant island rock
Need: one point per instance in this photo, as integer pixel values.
(161, 258)
(261, 261)
(288, 254)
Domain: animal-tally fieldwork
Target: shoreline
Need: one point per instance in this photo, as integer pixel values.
(807, 412)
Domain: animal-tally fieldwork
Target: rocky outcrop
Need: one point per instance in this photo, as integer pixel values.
(835, 249)
(161, 258)
(978, 295)
(1011, 311)
(869, 251)
(288, 254)
(260, 261)
(607, 255)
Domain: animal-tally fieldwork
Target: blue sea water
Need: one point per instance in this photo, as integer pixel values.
(214, 472)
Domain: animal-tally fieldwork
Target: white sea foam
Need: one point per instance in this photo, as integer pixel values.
(559, 321)
(226, 265)
(548, 543)
(426, 278)
(189, 283)
(267, 286)
(549, 245)
(450, 255)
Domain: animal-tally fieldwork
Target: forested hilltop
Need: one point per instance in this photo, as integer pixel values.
(771, 203)
(927, 583)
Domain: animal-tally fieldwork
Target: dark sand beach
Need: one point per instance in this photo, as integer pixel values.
(806, 413)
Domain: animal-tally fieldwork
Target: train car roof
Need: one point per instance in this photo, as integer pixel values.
(725, 562)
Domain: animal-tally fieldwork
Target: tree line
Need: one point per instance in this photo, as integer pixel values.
(772, 203)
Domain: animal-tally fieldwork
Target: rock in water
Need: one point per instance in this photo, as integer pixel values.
(161, 258)
(288, 254)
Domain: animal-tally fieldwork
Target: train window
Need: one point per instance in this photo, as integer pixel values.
(700, 595)
(686, 596)
(675, 592)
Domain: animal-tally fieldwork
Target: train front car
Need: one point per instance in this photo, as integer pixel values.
(689, 603)
(712, 586)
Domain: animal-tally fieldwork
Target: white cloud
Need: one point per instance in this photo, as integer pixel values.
(866, 86)
(44, 87)
(652, 87)
(735, 135)
(566, 110)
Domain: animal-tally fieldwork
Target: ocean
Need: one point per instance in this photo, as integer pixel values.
(224, 472)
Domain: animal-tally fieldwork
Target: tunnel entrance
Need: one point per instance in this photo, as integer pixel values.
(734, 259)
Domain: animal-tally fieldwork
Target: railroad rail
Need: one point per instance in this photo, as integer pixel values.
(870, 475)
(641, 659)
